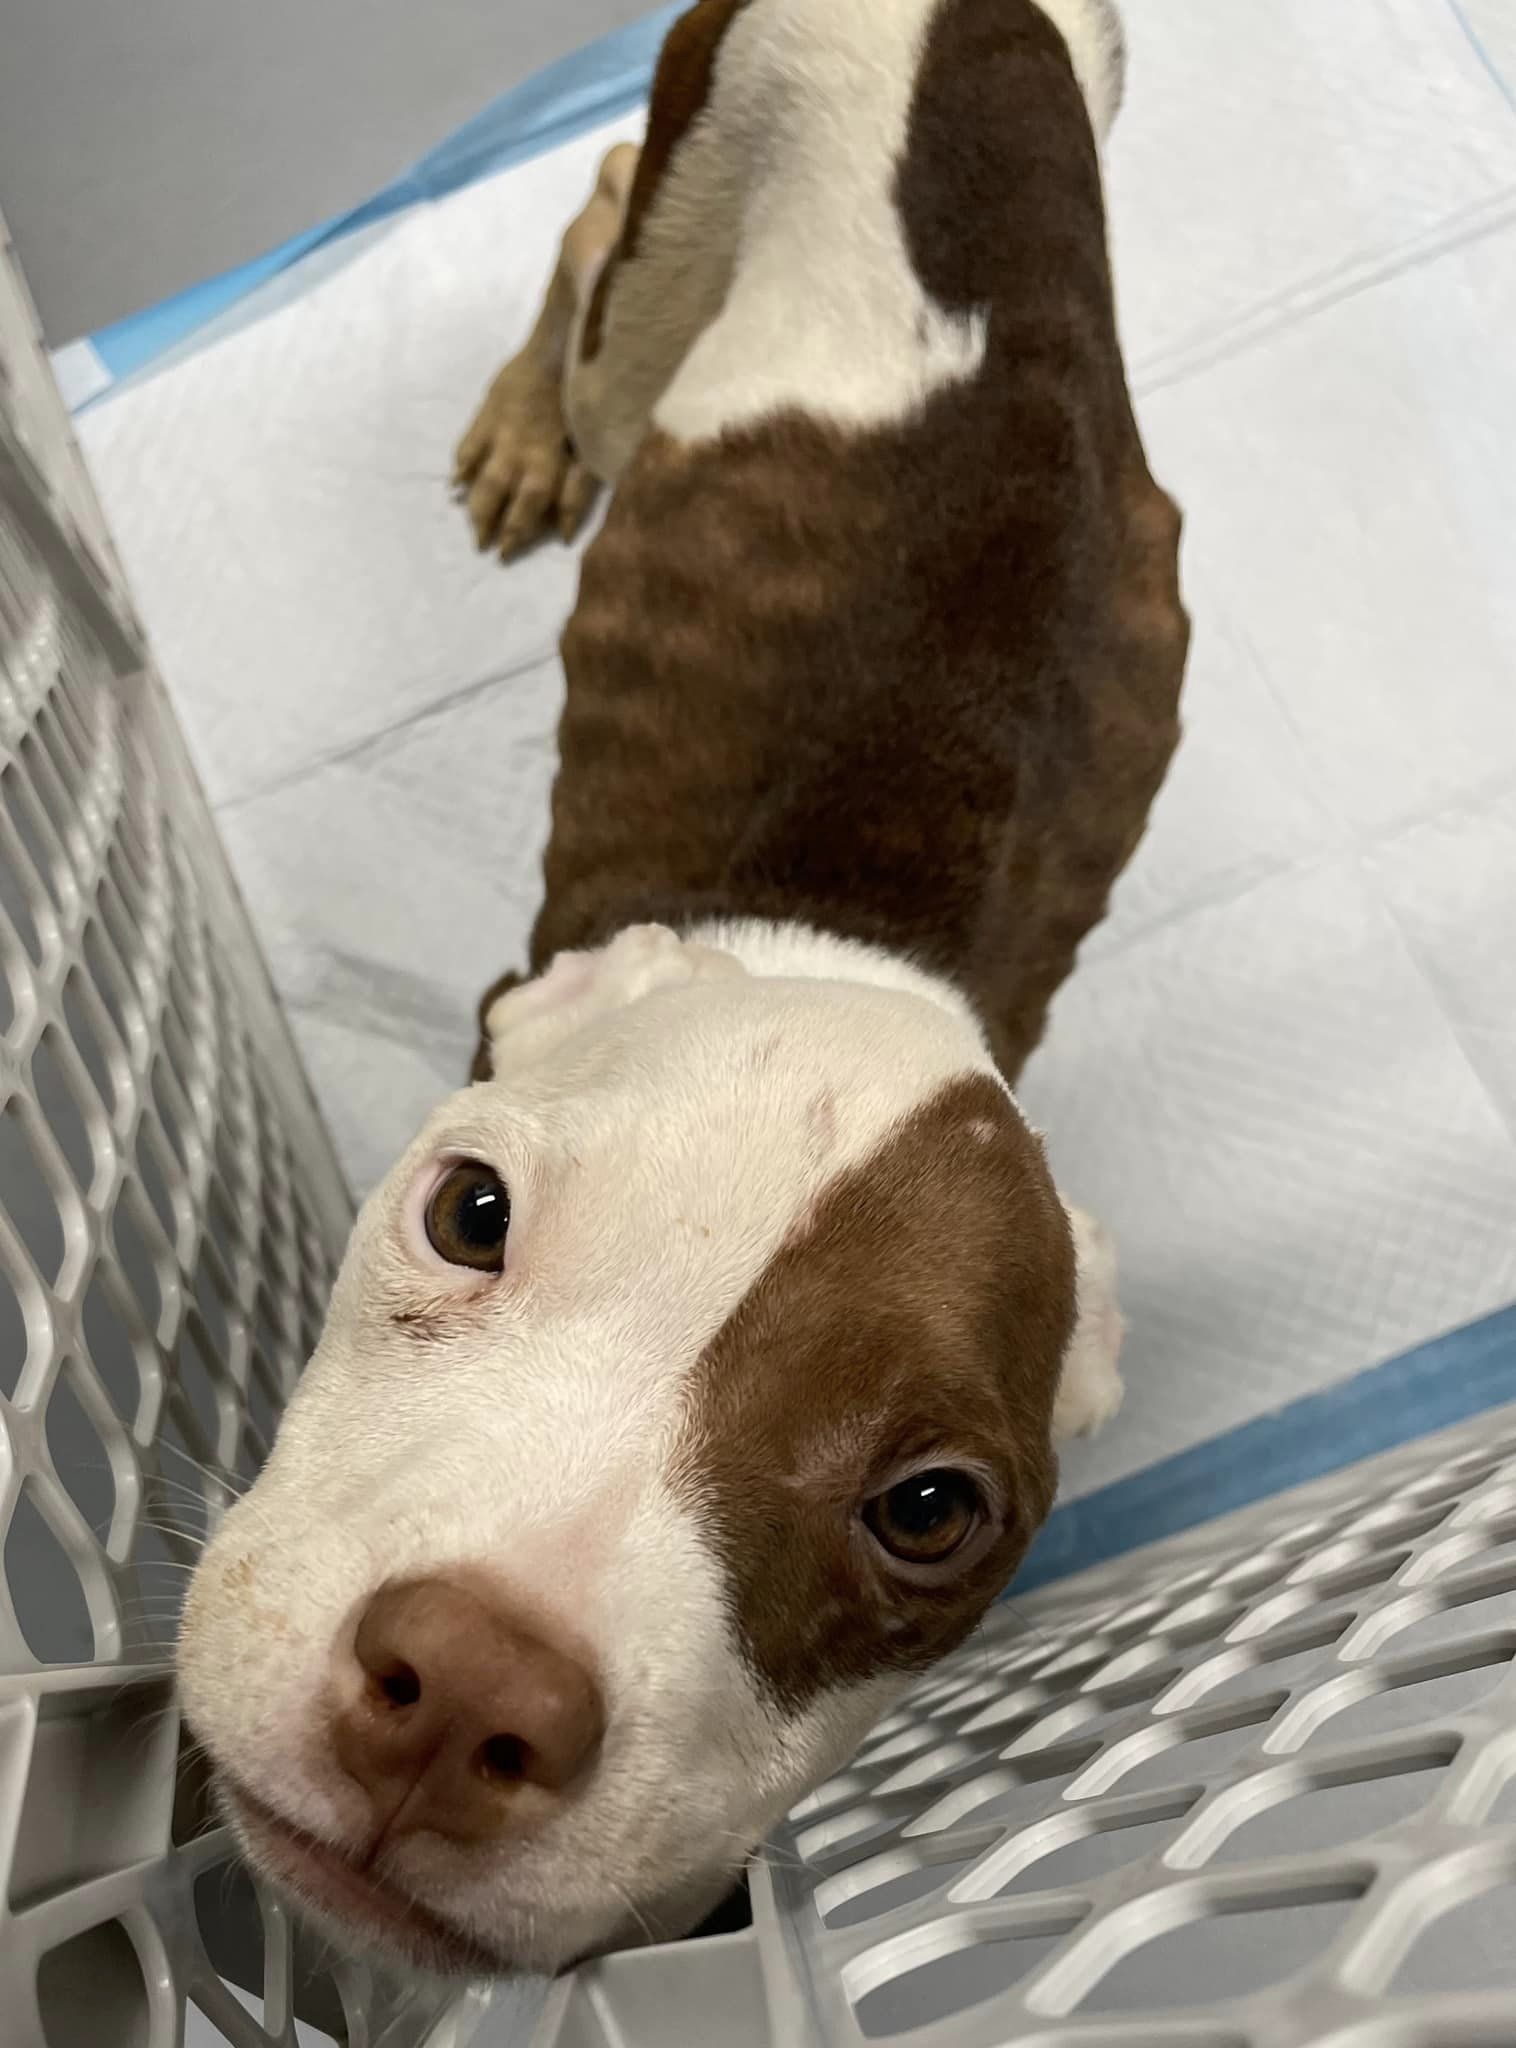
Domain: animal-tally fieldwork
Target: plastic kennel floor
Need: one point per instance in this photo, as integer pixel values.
(1255, 1788)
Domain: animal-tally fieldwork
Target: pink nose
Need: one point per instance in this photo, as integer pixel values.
(461, 1709)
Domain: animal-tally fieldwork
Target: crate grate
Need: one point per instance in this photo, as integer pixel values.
(170, 1220)
(1255, 1789)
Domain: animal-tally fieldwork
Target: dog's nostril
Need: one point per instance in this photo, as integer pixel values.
(457, 1699)
(503, 1757)
(399, 1685)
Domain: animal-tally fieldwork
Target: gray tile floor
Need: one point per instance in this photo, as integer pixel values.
(147, 145)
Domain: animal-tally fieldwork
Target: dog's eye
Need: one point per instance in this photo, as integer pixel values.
(927, 1517)
(467, 1218)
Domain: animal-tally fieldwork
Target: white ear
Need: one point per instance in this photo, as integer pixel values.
(1091, 1390)
(529, 1020)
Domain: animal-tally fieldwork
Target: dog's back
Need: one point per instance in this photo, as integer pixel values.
(883, 631)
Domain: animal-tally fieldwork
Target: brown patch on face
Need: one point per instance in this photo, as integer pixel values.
(921, 1312)
(916, 685)
(681, 87)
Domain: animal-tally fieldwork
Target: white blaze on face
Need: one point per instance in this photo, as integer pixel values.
(659, 1143)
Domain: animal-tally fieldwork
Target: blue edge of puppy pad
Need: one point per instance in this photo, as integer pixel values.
(590, 86)
(1429, 1388)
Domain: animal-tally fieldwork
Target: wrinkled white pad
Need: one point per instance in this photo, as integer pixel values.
(1286, 1072)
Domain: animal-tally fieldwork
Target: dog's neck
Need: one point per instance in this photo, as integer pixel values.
(782, 949)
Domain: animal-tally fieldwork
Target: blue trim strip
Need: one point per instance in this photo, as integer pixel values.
(579, 92)
(1471, 35)
(1434, 1386)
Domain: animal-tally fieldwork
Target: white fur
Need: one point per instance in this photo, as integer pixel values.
(824, 311)
(774, 271)
(579, 987)
(797, 952)
(651, 1117)
(657, 1153)
(1091, 1390)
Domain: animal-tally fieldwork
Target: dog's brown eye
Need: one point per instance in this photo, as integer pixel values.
(467, 1218)
(926, 1518)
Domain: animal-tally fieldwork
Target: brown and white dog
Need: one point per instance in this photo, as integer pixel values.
(693, 1380)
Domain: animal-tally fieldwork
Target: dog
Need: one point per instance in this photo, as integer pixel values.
(693, 1382)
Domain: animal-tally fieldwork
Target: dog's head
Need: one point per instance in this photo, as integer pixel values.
(686, 1387)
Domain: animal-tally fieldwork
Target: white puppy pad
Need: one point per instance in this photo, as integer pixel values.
(1286, 1072)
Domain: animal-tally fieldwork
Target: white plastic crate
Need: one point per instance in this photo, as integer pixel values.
(170, 1218)
(1253, 1789)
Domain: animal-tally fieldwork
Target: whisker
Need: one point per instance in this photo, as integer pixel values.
(219, 1475)
(631, 1906)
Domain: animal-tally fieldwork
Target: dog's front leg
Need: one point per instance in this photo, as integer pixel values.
(516, 464)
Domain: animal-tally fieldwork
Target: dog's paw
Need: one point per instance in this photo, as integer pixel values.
(516, 468)
(1091, 1389)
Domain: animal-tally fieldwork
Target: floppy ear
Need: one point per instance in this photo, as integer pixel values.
(1090, 1390)
(532, 1017)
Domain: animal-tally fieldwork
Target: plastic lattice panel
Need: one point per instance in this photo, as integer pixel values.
(170, 1220)
(1255, 1788)
(1260, 1791)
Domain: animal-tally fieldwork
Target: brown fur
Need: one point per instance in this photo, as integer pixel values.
(944, 1250)
(916, 685)
(681, 87)
(919, 684)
